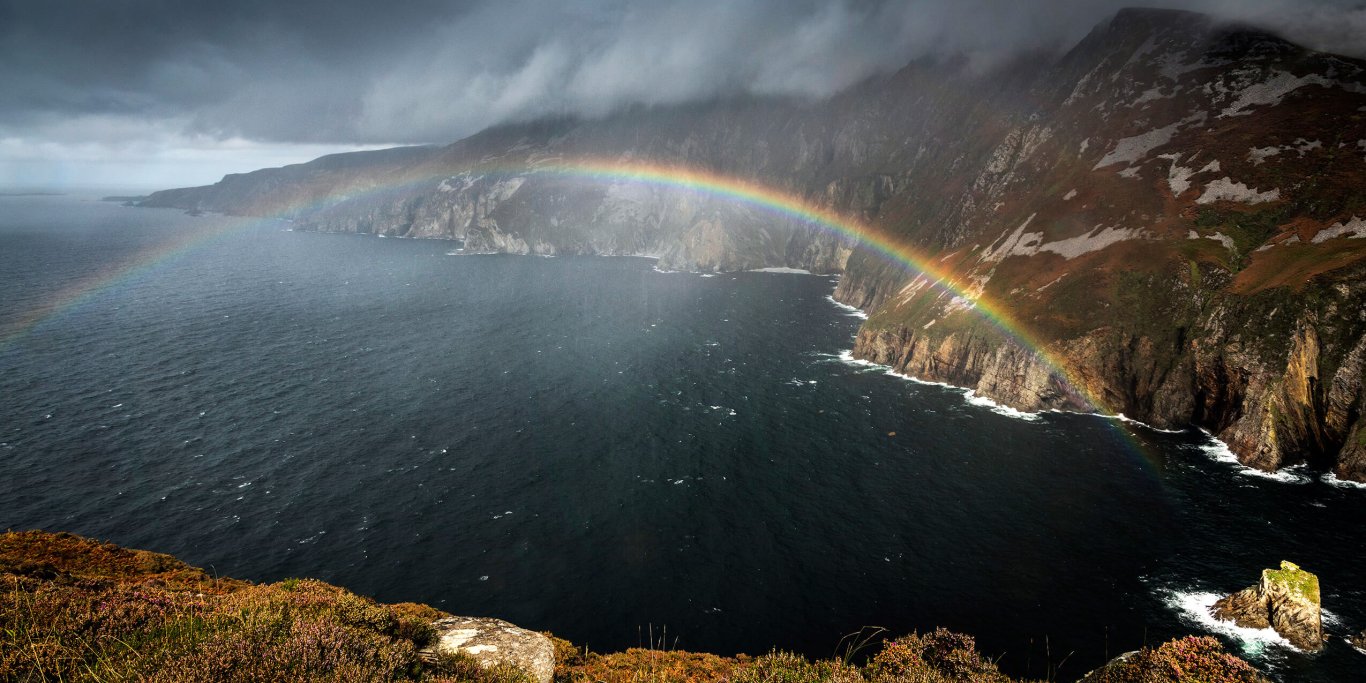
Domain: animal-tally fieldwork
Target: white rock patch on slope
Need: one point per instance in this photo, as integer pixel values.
(1178, 177)
(1131, 149)
(1219, 237)
(1070, 195)
(1097, 239)
(1259, 155)
(1021, 243)
(1016, 242)
(1224, 189)
(1353, 229)
(1271, 91)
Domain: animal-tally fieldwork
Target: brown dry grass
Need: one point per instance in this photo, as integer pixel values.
(76, 609)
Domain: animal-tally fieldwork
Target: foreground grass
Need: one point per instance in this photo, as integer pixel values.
(74, 609)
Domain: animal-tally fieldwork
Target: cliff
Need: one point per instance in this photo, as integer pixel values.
(76, 609)
(1170, 214)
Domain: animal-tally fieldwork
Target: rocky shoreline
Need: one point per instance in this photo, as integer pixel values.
(1141, 207)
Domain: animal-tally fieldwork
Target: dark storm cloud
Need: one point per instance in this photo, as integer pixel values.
(314, 71)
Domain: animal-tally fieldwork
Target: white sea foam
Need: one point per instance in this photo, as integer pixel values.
(998, 408)
(848, 358)
(968, 394)
(853, 311)
(1220, 451)
(1193, 607)
(1129, 420)
(788, 271)
(1333, 480)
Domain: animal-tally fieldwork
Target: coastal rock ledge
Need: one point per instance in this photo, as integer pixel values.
(1286, 599)
(494, 643)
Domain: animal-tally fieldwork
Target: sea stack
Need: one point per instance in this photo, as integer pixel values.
(1286, 599)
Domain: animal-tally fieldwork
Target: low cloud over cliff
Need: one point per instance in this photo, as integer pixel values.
(107, 81)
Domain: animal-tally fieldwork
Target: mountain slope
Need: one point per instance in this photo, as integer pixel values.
(1171, 213)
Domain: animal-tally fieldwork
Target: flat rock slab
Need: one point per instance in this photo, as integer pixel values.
(494, 642)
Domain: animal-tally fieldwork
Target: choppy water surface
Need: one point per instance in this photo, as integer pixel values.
(586, 446)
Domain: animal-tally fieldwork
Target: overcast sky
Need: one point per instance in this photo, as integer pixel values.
(177, 92)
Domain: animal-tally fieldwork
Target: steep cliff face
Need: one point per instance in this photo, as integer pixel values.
(1170, 216)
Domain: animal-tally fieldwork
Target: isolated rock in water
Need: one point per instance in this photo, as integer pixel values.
(1358, 641)
(493, 642)
(1247, 608)
(1286, 599)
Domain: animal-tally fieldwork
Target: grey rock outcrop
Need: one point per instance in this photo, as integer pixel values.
(494, 643)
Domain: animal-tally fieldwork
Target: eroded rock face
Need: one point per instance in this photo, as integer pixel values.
(1246, 608)
(493, 642)
(1286, 599)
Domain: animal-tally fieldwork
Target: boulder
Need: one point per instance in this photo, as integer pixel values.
(1286, 599)
(1358, 641)
(493, 643)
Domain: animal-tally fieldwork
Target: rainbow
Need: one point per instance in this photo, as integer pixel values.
(710, 183)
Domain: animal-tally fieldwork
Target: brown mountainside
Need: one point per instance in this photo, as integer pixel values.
(1173, 210)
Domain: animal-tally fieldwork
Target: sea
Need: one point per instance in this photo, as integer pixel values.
(621, 456)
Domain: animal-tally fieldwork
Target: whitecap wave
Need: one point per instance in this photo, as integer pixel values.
(847, 357)
(1129, 420)
(968, 394)
(1193, 608)
(1218, 450)
(786, 271)
(853, 311)
(1333, 480)
(999, 408)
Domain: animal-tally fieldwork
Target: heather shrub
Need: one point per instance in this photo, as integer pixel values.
(73, 609)
(464, 668)
(76, 609)
(1193, 658)
(638, 665)
(941, 656)
(785, 667)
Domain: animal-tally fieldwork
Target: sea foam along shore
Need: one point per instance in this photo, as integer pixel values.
(1193, 607)
(969, 395)
(853, 311)
(1218, 450)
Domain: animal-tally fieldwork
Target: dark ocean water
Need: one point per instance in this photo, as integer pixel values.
(586, 446)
